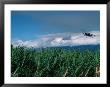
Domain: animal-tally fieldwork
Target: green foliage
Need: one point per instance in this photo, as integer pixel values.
(53, 62)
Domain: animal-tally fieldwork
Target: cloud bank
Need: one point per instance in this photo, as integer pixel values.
(60, 39)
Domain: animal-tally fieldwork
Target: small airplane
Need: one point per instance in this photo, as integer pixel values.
(89, 34)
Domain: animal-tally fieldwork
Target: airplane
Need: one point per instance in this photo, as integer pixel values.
(89, 34)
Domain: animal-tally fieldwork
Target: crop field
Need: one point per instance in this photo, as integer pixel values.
(54, 62)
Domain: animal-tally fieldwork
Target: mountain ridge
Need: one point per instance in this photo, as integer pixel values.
(81, 47)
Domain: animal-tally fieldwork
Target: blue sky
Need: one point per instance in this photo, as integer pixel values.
(29, 25)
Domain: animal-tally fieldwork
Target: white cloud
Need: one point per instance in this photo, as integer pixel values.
(61, 39)
(25, 43)
(57, 41)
